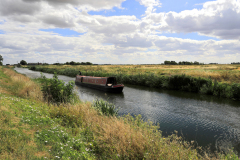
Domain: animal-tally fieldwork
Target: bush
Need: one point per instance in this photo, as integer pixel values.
(32, 68)
(55, 90)
(236, 91)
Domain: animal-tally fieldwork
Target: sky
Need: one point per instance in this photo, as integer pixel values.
(120, 31)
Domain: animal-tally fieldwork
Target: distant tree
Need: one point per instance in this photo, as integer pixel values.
(23, 62)
(88, 63)
(1, 59)
(167, 62)
(196, 63)
(170, 62)
(72, 63)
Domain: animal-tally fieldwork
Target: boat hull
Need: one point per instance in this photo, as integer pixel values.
(101, 87)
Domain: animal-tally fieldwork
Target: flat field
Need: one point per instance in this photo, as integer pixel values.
(227, 73)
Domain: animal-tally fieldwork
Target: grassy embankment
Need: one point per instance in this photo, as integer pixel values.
(31, 128)
(217, 80)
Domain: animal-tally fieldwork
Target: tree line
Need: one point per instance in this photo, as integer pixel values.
(78, 63)
(182, 63)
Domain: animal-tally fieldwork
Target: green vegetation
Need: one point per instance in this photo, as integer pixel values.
(182, 63)
(175, 82)
(105, 108)
(23, 62)
(55, 90)
(1, 59)
(30, 128)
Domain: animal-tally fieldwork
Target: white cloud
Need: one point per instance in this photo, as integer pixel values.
(150, 4)
(110, 25)
(220, 19)
(92, 4)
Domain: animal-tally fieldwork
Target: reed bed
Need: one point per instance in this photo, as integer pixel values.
(222, 73)
(208, 84)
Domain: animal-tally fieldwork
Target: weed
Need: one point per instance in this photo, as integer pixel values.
(105, 107)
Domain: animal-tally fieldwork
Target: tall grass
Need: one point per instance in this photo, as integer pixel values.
(21, 85)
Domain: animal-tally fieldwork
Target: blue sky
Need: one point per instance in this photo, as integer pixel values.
(129, 7)
(65, 32)
(120, 31)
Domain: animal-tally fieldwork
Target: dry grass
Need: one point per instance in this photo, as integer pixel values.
(21, 85)
(221, 72)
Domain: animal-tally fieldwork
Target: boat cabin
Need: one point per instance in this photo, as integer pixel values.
(106, 81)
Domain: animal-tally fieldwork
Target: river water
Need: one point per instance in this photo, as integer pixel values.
(209, 121)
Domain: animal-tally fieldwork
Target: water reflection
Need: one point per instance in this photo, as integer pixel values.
(208, 120)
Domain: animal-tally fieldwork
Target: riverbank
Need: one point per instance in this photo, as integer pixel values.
(31, 128)
(221, 82)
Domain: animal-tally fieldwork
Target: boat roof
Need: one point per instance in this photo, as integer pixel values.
(94, 77)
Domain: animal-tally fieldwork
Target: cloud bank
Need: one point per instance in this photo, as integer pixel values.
(117, 39)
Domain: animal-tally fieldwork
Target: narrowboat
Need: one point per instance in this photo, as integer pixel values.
(107, 84)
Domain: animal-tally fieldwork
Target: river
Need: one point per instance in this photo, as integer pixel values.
(209, 121)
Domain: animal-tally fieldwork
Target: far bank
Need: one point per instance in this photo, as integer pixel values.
(218, 80)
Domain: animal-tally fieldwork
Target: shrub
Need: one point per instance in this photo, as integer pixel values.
(236, 91)
(32, 68)
(55, 90)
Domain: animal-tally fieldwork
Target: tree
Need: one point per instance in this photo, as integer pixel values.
(88, 63)
(1, 59)
(22, 62)
(72, 63)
